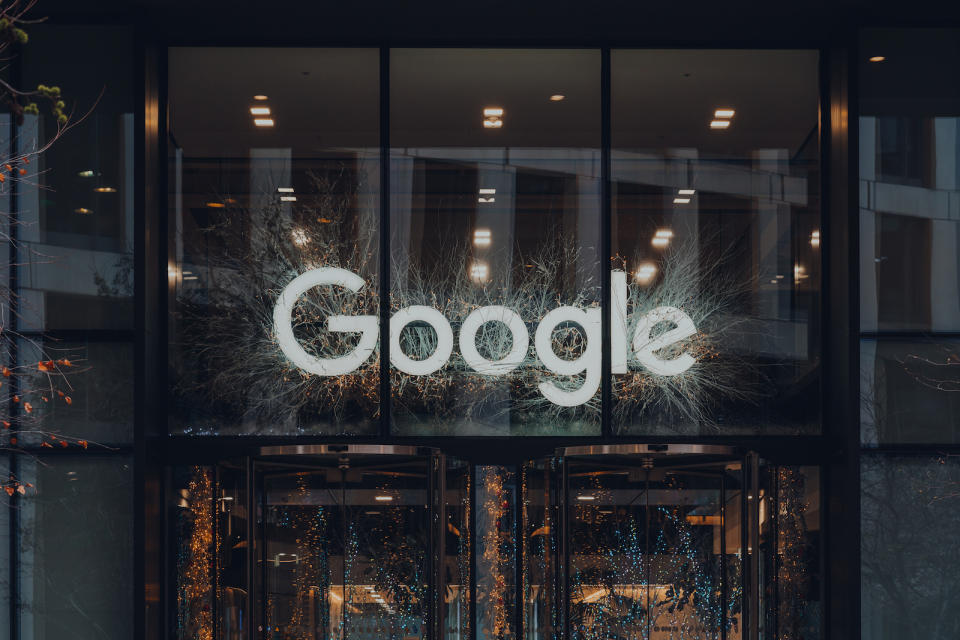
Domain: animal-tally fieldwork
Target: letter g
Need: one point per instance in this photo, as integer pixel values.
(366, 326)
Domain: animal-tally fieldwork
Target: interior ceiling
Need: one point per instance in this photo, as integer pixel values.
(323, 98)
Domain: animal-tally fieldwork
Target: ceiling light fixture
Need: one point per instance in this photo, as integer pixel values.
(681, 201)
(383, 498)
(259, 96)
(719, 124)
(288, 198)
(490, 112)
(724, 113)
(479, 271)
(105, 190)
(586, 498)
(686, 192)
(877, 58)
(487, 191)
(815, 239)
(645, 273)
(661, 238)
(482, 237)
(89, 173)
(284, 189)
(492, 123)
(215, 205)
(557, 97)
(83, 210)
(260, 111)
(486, 200)
(263, 122)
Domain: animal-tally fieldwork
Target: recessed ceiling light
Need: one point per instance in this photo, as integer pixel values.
(492, 123)
(877, 58)
(260, 111)
(263, 122)
(686, 192)
(216, 205)
(83, 210)
(663, 233)
(383, 498)
(492, 112)
(195, 278)
(86, 174)
(486, 200)
(723, 113)
(482, 237)
(681, 201)
(815, 239)
(719, 124)
(645, 273)
(284, 189)
(586, 498)
(486, 191)
(259, 96)
(557, 97)
(105, 190)
(288, 198)
(479, 271)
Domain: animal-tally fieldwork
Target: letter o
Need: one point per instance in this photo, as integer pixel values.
(440, 355)
(468, 340)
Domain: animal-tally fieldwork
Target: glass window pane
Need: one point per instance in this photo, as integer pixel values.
(910, 513)
(909, 390)
(495, 237)
(716, 242)
(909, 181)
(85, 390)
(76, 548)
(77, 207)
(273, 174)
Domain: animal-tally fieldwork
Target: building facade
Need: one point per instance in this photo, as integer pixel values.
(487, 323)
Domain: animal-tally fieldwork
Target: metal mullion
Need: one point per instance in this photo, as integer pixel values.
(606, 243)
(471, 523)
(518, 551)
(14, 356)
(384, 306)
(723, 555)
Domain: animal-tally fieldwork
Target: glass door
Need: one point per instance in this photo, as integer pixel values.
(656, 542)
(347, 534)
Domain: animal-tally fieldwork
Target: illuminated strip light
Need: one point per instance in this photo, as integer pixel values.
(263, 122)
(482, 237)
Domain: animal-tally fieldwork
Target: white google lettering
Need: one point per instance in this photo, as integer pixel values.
(645, 345)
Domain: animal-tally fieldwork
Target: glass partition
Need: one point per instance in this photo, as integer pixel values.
(495, 238)
(274, 175)
(716, 242)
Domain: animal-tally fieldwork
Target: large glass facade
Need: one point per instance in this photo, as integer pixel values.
(716, 213)
(273, 174)
(495, 202)
(476, 314)
(909, 317)
(495, 225)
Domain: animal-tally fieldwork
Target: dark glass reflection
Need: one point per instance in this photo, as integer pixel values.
(716, 212)
(262, 191)
(495, 200)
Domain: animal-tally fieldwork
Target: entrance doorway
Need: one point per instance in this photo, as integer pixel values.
(364, 542)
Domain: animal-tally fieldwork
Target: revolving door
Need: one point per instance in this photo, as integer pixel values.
(660, 544)
(363, 542)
